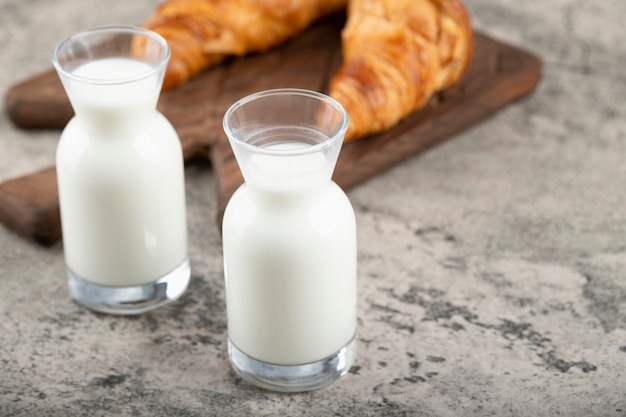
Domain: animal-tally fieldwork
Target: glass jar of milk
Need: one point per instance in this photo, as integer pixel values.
(289, 240)
(120, 174)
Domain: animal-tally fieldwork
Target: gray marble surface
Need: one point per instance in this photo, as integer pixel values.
(492, 268)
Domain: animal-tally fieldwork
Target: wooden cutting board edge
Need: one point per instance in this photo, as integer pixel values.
(399, 143)
(410, 136)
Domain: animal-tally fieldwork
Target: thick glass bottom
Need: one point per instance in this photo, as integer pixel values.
(293, 378)
(131, 300)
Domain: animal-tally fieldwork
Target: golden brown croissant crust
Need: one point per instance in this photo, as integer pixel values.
(396, 53)
(202, 33)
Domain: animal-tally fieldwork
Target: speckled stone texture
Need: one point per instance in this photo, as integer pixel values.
(492, 268)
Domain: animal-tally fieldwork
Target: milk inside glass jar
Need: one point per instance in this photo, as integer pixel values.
(120, 174)
(289, 237)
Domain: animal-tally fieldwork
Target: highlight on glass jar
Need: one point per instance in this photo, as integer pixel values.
(289, 240)
(120, 174)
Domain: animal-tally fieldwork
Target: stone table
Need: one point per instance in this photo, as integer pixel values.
(492, 268)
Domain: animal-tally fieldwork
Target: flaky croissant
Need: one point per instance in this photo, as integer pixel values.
(202, 33)
(396, 55)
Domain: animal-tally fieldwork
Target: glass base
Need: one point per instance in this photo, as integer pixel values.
(131, 300)
(293, 378)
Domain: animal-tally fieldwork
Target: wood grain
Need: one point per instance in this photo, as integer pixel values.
(498, 75)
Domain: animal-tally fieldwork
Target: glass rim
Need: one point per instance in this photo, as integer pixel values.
(332, 140)
(119, 29)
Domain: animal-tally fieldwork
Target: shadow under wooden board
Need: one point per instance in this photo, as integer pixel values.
(498, 75)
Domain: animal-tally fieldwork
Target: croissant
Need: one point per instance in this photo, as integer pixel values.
(396, 55)
(202, 33)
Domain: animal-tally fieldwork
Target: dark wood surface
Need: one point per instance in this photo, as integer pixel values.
(498, 75)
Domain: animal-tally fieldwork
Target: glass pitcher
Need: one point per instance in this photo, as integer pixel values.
(120, 174)
(289, 240)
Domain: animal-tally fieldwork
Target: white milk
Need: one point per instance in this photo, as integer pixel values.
(121, 180)
(290, 262)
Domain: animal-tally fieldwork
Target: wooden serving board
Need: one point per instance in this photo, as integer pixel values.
(498, 75)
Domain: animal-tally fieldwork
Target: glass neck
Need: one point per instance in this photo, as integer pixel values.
(286, 173)
(124, 115)
(106, 105)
